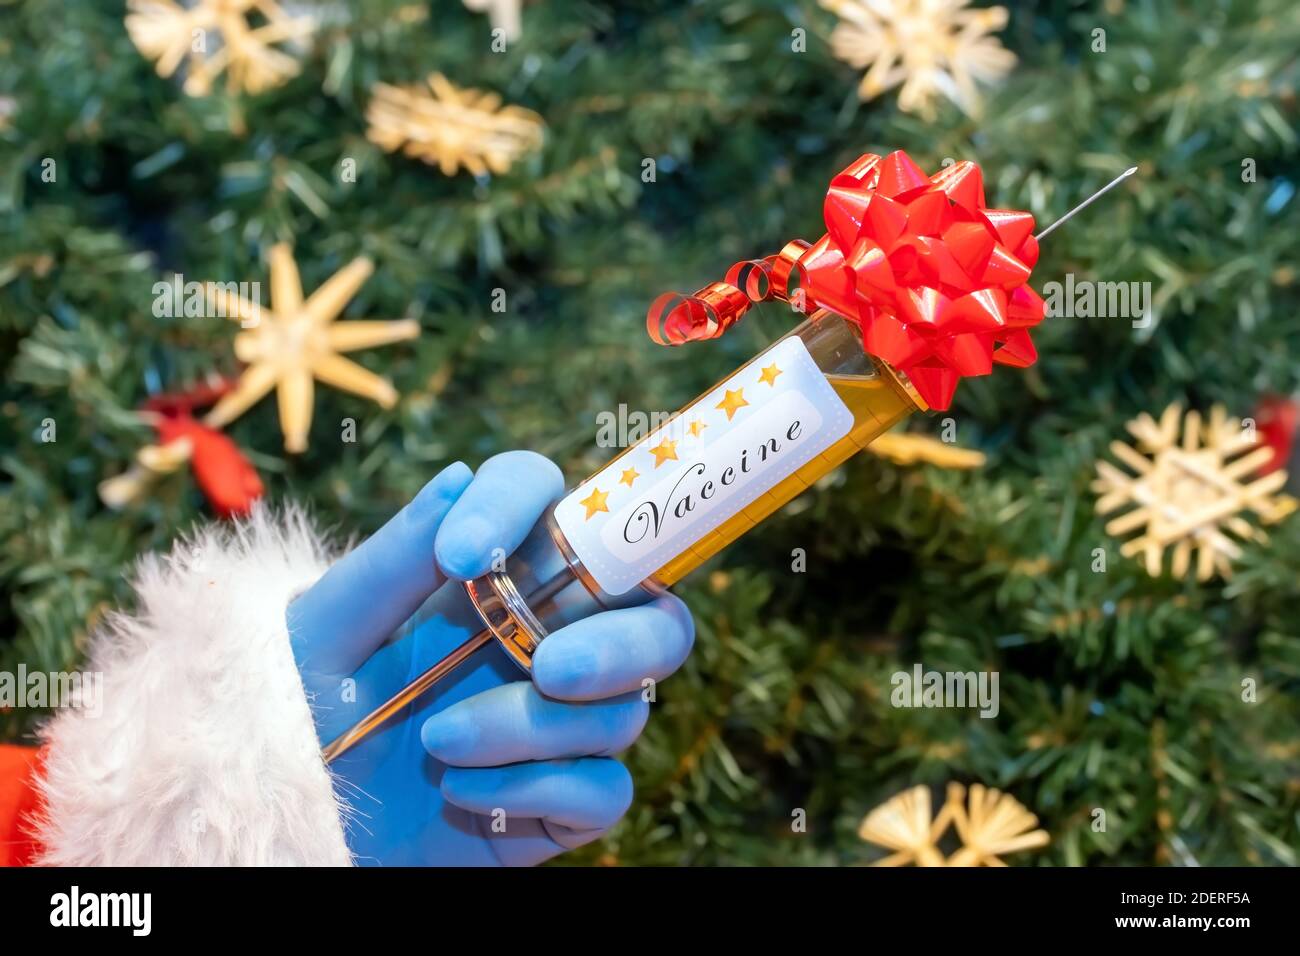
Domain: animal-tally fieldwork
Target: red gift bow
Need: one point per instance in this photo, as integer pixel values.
(935, 280)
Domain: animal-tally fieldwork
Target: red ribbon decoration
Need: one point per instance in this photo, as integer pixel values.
(936, 281)
(228, 480)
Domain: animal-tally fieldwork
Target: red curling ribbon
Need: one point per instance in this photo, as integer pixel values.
(674, 319)
(936, 281)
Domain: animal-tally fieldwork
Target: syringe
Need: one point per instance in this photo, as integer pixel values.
(797, 410)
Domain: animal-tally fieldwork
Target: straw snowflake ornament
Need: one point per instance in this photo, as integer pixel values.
(927, 47)
(297, 342)
(1190, 491)
(991, 825)
(211, 37)
(449, 127)
(504, 15)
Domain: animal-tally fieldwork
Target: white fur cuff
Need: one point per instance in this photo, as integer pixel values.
(205, 752)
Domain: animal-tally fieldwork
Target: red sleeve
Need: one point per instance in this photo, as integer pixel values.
(18, 801)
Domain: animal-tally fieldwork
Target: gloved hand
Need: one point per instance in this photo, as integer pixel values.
(489, 767)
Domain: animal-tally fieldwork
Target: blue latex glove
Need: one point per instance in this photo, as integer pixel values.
(489, 768)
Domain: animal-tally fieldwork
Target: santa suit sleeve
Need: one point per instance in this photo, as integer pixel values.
(201, 749)
(19, 803)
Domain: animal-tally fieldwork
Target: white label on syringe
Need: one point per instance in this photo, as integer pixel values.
(689, 476)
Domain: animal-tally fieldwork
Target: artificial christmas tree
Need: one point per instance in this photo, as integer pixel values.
(1143, 719)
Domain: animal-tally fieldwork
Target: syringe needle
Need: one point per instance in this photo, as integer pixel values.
(1090, 200)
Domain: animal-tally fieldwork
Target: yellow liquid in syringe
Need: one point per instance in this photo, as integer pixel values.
(877, 404)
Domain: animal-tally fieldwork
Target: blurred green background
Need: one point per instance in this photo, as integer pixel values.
(1119, 691)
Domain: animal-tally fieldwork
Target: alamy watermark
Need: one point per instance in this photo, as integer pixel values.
(133, 911)
(55, 689)
(623, 428)
(956, 689)
(1085, 299)
(177, 299)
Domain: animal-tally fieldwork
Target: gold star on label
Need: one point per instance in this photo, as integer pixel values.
(595, 502)
(629, 476)
(696, 427)
(769, 374)
(296, 341)
(733, 402)
(665, 451)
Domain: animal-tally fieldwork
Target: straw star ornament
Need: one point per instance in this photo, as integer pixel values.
(237, 37)
(450, 127)
(991, 825)
(907, 448)
(297, 342)
(1190, 491)
(928, 47)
